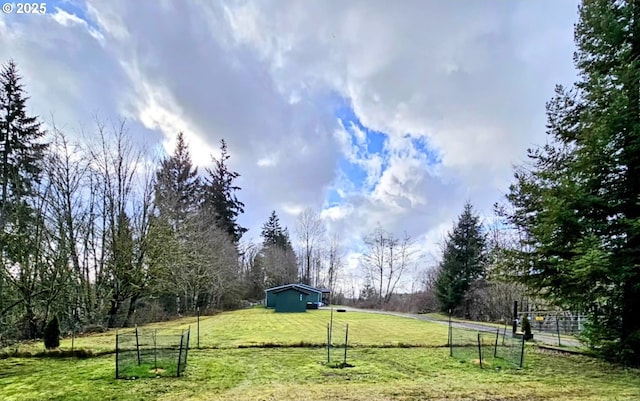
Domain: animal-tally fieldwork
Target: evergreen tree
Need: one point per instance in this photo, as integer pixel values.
(176, 188)
(277, 260)
(273, 234)
(576, 203)
(52, 334)
(122, 275)
(462, 261)
(21, 152)
(220, 198)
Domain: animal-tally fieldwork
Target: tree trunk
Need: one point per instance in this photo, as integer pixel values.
(113, 311)
(132, 309)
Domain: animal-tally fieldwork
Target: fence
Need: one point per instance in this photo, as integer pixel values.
(151, 353)
(560, 322)
(337, 344)
(486, 348)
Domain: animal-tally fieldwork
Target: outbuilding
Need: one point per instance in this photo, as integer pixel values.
(291, 299)
(316, 296)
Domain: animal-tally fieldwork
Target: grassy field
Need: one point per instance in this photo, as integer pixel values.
(299, 373)
(259, 326)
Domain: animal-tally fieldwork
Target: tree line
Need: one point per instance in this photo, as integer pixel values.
(99, 234)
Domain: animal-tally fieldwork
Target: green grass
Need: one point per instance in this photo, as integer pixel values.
(415, 366)
(259, 326)
(300, 374)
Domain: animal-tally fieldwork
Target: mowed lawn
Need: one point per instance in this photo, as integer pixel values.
(259, 326)
(223, 371)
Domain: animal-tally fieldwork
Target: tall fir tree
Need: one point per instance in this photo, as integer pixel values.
(576, 203)
(277, 260)
(220, 195)
(21, 153)
(177, 186)
(274, 235)
(463, 261)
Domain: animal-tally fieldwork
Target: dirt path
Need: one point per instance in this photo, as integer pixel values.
(545, 338)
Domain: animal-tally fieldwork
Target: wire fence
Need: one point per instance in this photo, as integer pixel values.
(510, 348)
(488, 349)
(151, 353)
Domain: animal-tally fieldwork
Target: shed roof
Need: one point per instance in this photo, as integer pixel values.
(293, 287)
(305, 286)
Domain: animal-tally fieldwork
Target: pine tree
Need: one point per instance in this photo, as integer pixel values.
(273, 234)
(277, 260)
(52, 334)
(462, 261)
(576, 202)
(220, 197)
(176, 188)
(21, 152)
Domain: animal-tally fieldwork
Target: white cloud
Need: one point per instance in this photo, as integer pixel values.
(468, 79)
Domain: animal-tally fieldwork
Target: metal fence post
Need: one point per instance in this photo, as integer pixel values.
(495, 348)
(186, 350)
(137, 345)
(198, 334)
(328, 344)
(331, 326)
(450, 335)
(522, 353)
(117, 371)
(480, 349)
(346, 341)
(180, 352)
(515, 316)
(155, 350)
(558, 331)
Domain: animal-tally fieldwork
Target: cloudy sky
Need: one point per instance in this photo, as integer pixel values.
(368, 111)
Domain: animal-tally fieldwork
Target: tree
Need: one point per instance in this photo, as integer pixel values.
(253, 272)
(575, 203)
(310, 231)
(116, 164)
(21, 152)
(21, 149)
(276, 260)
(334, 263)
(176, 186)
(52, 334)
(385, 261)
(220, 195)
(273, 234)
(463, 261)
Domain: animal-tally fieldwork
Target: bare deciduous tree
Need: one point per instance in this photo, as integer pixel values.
(310, 231)
(385, 261)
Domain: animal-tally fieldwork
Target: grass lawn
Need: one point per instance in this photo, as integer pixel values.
(299, 374)
(259, 326)
(425, 371)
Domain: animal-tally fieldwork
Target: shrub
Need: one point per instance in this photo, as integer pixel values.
(52, 334)
(526, 327)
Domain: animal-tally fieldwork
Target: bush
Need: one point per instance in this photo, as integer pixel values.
(52, 334)
(526, 328)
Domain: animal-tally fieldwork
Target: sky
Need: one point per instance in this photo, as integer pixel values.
(367, 111)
